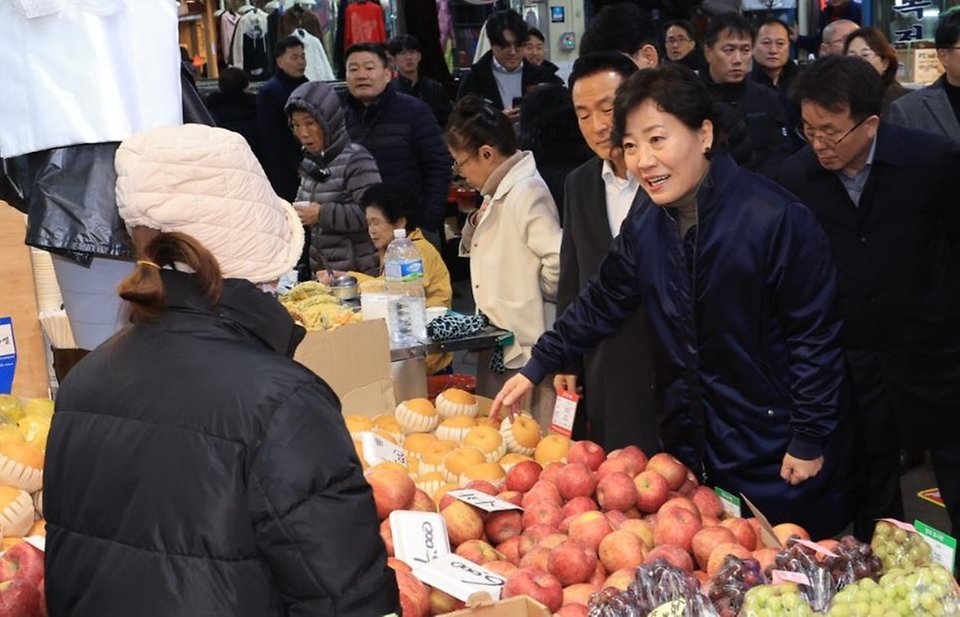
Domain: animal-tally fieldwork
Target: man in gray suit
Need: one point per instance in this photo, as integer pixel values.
(936, 108)
(618, 404)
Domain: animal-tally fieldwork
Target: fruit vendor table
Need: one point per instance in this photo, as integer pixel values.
(409, 367)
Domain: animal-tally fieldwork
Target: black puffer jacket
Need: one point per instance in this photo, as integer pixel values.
(192, 469)
(348, 170)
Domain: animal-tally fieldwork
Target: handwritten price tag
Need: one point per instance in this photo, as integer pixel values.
(564, 413)
(485, 502)
(418, 537)
(782, 576)
(377, 450)
(816, 547)
(459, 577)
(8, 346)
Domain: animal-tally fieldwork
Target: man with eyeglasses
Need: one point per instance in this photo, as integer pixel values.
(502, 76)
(681, 44)
(936, 108)
(758, 138)
(886, 196)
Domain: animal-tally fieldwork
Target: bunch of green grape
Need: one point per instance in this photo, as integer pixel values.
(899, 548)
(927, 590)
(775, 601)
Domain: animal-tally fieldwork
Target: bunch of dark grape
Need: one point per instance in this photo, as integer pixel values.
(799, 558)
(899, 548)
(731, 583)
(855, 560)
(659, 582)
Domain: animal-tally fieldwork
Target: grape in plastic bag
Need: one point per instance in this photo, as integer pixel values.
(775, 600)
(728, 587)
(927, 590)
(899, 548)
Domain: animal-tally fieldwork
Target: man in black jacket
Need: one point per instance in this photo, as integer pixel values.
(405, 50)
(280, 152)
(886, 197)
(502, 76)
(618, 404)
(399, 131)
(773, 68)
(624, 28)
(759, 139)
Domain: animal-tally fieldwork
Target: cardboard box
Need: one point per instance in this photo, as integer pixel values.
(520, 606)
(355, 361)
(918, 64)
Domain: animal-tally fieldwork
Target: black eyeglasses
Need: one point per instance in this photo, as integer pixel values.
(826, 140)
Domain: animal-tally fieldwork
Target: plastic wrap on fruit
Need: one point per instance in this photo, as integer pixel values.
(612, 603)
(775, 600)
(728, 587)
(660, 583)
(851, 561)
(802, 559)
(927, 590)
(899, 546)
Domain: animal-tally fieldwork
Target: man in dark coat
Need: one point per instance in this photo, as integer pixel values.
(279, 150)
(400, 132)
(405, 50)
(773, 68)
(235, 109)
(626, 28)
(887, 198)
(617, 375)
(761, 141)
(502, 76)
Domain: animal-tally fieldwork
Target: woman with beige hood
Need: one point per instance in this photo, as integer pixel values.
(193, 468)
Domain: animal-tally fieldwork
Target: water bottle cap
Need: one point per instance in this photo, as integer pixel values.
(399, 233)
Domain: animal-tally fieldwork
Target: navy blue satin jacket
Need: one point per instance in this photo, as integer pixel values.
(746, 332)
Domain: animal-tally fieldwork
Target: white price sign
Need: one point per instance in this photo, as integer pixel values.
(377, 450)
(459, 577)
(944, 546)
(7, 345)
(564, 413)
(485, 502)
(418, 537)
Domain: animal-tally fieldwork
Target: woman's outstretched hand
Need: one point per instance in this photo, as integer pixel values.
(510, 396)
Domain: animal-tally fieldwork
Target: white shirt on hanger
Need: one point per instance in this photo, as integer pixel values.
(318, 65)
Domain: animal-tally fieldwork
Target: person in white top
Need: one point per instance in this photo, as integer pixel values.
(615, 380)
(513, 241)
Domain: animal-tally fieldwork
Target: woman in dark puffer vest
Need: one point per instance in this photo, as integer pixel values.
(333, 176)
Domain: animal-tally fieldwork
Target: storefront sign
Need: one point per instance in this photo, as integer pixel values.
(8, 355)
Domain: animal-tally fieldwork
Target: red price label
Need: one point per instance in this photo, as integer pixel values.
(564, 413)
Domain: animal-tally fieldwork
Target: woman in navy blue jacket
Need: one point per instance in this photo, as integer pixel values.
(739, 288)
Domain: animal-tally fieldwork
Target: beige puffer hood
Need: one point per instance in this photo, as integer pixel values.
(206, 182)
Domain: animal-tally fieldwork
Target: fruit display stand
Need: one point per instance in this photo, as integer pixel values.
(18, 301)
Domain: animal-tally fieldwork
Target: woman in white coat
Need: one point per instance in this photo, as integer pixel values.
(513, 242)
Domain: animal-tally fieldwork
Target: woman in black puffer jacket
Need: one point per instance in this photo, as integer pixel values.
(192, 467)
(333, 176)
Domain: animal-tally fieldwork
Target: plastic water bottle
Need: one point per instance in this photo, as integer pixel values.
(407, 313)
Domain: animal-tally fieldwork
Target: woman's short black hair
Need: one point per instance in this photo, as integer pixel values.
(676, 90)
(475, 123)
(837, 83)
(233, 80)
(395, 201)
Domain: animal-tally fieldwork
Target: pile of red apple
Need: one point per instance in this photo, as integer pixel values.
(586, 525)
(21, 582)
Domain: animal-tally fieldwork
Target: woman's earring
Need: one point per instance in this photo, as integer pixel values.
(706, 150)
(486, 155)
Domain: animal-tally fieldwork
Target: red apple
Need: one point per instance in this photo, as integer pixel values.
(396, 564)
(765, 556)
(503, 568)
(588, 453)
(636, 455)
(542, 491)
(43, 597)
(392, 490)
(590, 528)
(680, 502)
(709, 521)
(572, 562)
(578, 505)
(743, 531)
(674, 555)
(535, 558)
(785, 531)
(510, 549)
(705, 540)
(579, 593)
(719, 554)
(551, 471)
(414, 597)
(672, 470)
(503, 525)
(652, 491)
(477, 551)
(422, 502)
(707, 502)
(755, 523)
(536, 583)
(621, 579)
(615, 518)
(621, 550)
(386, 534)
(442, 603)
(23, 561)
(531, 536)
(553, 540)
(565, 523)
(676, 526)
(621, 464)
(483, 486)
(464, 522)
(514, 497)
(616, 491)
(542, 513)
(642, 529)
(19, 598)
(522, 476)
(573, 610)
(689, 485)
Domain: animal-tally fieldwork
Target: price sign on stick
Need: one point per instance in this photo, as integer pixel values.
(8, 355)
(418, 537)
(377, 450)
(944, 547)
(485, 502)
(564, 413)
(459, 577)
(729, 502)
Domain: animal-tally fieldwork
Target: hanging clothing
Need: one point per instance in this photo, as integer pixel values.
(228, 25)
(422, 21)
(364, 23)
(445, 22)
(249, 48)
(298, 17)
(318, 65)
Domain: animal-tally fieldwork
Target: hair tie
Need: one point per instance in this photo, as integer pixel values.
(143, 262)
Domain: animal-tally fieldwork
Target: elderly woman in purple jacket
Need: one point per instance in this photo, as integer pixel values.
(739, 289)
